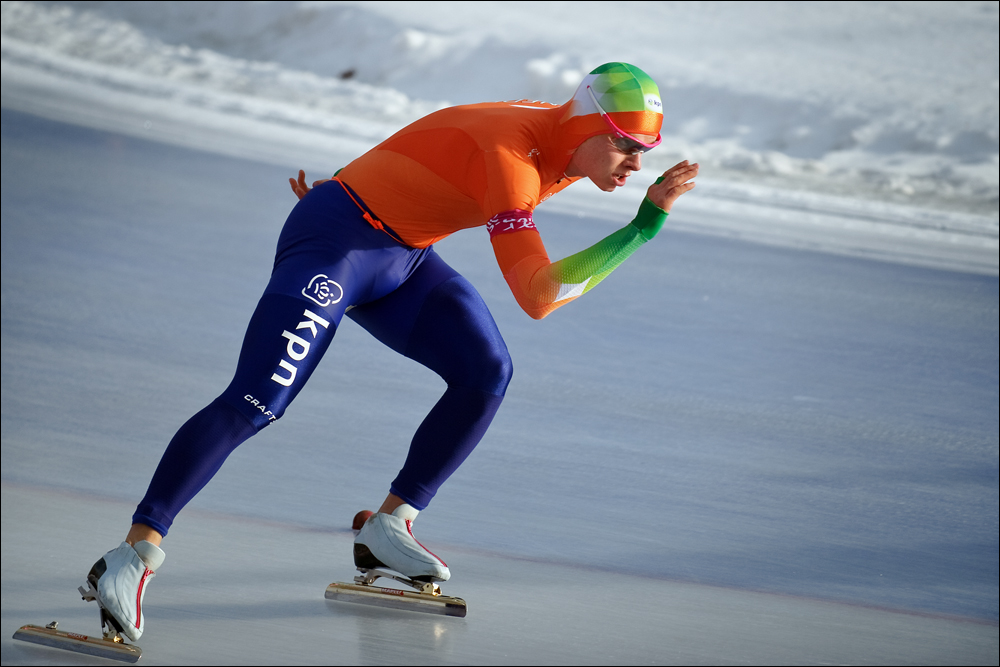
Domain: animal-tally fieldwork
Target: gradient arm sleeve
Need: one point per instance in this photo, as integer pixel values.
(539, 285)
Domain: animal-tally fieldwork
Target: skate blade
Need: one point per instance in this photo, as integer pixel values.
(395, 598)
(70, 641)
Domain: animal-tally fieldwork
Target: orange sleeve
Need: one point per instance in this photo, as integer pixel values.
(539, 285)
(525, 266)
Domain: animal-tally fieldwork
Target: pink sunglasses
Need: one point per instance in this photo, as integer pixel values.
(623, 141)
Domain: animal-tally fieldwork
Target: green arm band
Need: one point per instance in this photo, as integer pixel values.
(593, 265)
(649, 220)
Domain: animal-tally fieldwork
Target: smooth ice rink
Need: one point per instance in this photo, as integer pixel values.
(245, 591)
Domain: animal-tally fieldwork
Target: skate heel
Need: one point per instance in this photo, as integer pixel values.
(110, 628)
(89, 594)
(365, 559)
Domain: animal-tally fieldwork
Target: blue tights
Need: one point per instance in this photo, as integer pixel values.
(328, 261)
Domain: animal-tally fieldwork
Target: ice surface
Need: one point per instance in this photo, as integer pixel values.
(242, 591)
(717, 418)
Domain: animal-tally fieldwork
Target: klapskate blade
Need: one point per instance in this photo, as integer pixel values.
(70, 641)
(396, 599)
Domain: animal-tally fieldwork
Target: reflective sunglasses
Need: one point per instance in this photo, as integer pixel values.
(623, 141)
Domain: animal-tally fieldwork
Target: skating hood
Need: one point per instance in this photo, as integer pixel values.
(628, 95)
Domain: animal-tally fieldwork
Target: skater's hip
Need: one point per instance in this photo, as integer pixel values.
(332, 215)
(329, 253)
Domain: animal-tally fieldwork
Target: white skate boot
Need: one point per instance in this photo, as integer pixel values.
(118, 583)
(386, 540)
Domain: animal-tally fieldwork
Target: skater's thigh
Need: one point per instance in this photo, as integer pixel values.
(439, 319)
(285, 340)
(324, 264)
(290, 330)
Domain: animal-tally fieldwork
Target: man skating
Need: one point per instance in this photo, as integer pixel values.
(361, 244)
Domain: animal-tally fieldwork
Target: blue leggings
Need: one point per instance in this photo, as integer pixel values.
(328, 260)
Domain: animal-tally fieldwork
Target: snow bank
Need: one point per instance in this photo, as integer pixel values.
(83, 46)
(885, 101)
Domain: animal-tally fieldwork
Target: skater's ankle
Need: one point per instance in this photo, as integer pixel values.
(392, 501)
(392, 505)
(140, 532)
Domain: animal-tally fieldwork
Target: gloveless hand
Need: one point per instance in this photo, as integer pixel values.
(672, 184)
(300, 188)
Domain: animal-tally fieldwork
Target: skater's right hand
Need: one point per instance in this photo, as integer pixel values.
(300, 188)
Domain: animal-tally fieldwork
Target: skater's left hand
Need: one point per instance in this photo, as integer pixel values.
(672, 184)
(300, 188)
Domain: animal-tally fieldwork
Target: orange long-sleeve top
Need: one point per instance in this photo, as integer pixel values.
(485, 164)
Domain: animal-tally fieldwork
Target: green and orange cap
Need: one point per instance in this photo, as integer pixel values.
(627, 95)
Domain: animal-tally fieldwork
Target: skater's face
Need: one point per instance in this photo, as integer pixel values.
(599, 160)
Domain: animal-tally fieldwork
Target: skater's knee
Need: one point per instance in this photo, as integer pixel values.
(482, 364)
(496, 370)
(456, 337)
(259, 411)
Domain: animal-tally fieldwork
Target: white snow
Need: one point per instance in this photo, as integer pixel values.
(895, 102)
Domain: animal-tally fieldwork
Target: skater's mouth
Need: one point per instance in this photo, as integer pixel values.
(619, 178)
